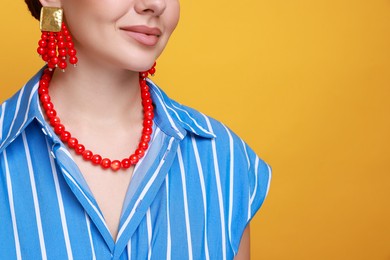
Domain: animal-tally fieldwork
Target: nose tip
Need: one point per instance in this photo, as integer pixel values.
(154, 7)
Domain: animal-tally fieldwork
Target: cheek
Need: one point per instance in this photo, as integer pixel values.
(90, 11)
(173, 15)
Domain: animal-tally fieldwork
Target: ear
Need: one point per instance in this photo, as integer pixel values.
(51, 3)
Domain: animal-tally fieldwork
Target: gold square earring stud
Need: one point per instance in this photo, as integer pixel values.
(51, 19)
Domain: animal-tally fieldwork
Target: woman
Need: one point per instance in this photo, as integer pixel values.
(105, 165)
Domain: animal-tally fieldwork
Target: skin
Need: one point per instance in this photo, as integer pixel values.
(107, 73)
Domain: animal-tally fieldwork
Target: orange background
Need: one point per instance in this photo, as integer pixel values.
(306, 84)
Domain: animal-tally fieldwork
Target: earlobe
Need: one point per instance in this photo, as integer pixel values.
(50, 3)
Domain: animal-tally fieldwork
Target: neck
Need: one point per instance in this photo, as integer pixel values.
(109, 95)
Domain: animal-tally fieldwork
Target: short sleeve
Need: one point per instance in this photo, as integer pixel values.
(252, 178)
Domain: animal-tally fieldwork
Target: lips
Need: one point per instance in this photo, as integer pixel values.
(143, 34)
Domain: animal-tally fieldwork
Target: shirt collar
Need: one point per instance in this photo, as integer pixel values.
(20, 110)
(175, 119)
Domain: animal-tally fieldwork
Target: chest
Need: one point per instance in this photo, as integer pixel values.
(109, 189)
(169, 213)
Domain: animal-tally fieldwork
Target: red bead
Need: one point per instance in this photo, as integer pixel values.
(143, 74)
(140, 153)
(48, 105)
(147, 101)
(72, 142)
(143, 84)
(51, 113)
(59, 128)
(147, 130)
(145, 138)
(52, 53)
(152, 71)
(73, 60)
(79, 149)
(126, 163)
(62, 52)
(68, 38)
(41, 50)
(115, 165)
(54, 60)
(54, 120)
(62, 65)
(51, 65)
(134, 159)
(65, 135)
(72, 52)
(149, 108)
(45, 98)
(96, 159)
(44, 36)
(43, 90)
(44, 83)
(87, 155)
(147, 122)
(60, 38)
(106, 163)
(51, 45)
(46, 77)
(148, 115)
(45, 57)
(70, 45)
(143, 145)
(145, 95)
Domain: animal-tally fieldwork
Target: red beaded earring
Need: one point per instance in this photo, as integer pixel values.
(56, 42)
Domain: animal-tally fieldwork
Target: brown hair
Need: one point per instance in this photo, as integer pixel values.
(35, 8)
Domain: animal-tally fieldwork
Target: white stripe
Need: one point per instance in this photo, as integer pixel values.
(27, 110)
(231, 184)
(146, 189)
(35, 197)
(256, 172)
(249, 206)
(219, 191)
(165, 104)
(169, 117)
(29, 104)
(183, 182)
(147, 151)
(269, 179)
(2, 119)
(60, 205)
(12, 207)
(70, 177)
(246, 153)
(203, 188)
(169, 243)
(16, 114)
(129, 250)
(193, 119)
(149, 227)
(178, 117)
(90, 235)
(67, 174)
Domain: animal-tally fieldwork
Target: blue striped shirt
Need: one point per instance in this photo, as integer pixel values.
(191, 196)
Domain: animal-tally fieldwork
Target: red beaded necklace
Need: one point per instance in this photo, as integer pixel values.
(80, 149)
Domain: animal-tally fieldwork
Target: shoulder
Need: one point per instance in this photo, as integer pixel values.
(202, 127)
